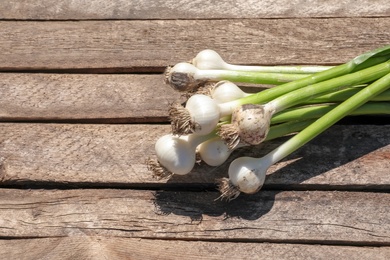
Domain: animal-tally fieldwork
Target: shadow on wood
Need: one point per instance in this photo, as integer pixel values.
(197, 204)
(350, 154)
(347, 153)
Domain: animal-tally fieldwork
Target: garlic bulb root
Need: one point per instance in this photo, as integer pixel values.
(181, 120)
(228, 190)
(158, 171)
(229, 134)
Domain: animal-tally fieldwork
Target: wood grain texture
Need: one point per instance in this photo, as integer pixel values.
(184, 9)
(152, 45)
(91, 98)
(97, 247)
(357, 157)
(269, 216)
(71, 189)
(109, 98)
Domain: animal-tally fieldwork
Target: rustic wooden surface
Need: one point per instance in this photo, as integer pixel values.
(82, 102)
(183, 9)
(151, 45)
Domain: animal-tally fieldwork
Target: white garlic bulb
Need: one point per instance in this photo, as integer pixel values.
(247, 174)
(204, 113)
(209, 60)
(214, 152)
(175, 153)
(225, 91)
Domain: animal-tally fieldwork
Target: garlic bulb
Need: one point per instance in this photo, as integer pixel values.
(175, 154)
(250, 125)
(225, 91)
(209, 60)
(205, 112)
(200, 116)
(182, 77)
(215, 151)
(253, 123)
(247, 174)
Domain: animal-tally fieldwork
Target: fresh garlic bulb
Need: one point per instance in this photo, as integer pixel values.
(209, 60)
(175, 154)
(204, 112)
(200, 116)
(215, 151)
(250, 125)
(225, 91)
(182, 77)
(253, 123)
(247, 175)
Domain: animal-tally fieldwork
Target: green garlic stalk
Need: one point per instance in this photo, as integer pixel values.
(243, 130)
(186, 77)
(201, 115)
(247, 174)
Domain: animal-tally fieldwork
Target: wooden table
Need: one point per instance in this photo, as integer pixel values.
(83, 101)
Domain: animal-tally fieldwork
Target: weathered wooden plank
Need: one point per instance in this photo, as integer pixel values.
(145, 45)
(184, 9)
(108, 98)
(356, 157)
(352, 218)
(88, 98)
(96, 247)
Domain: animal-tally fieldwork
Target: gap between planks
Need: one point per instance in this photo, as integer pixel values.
(95, 247)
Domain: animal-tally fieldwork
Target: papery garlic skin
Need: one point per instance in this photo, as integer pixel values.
(250, 124)
(253, 123)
